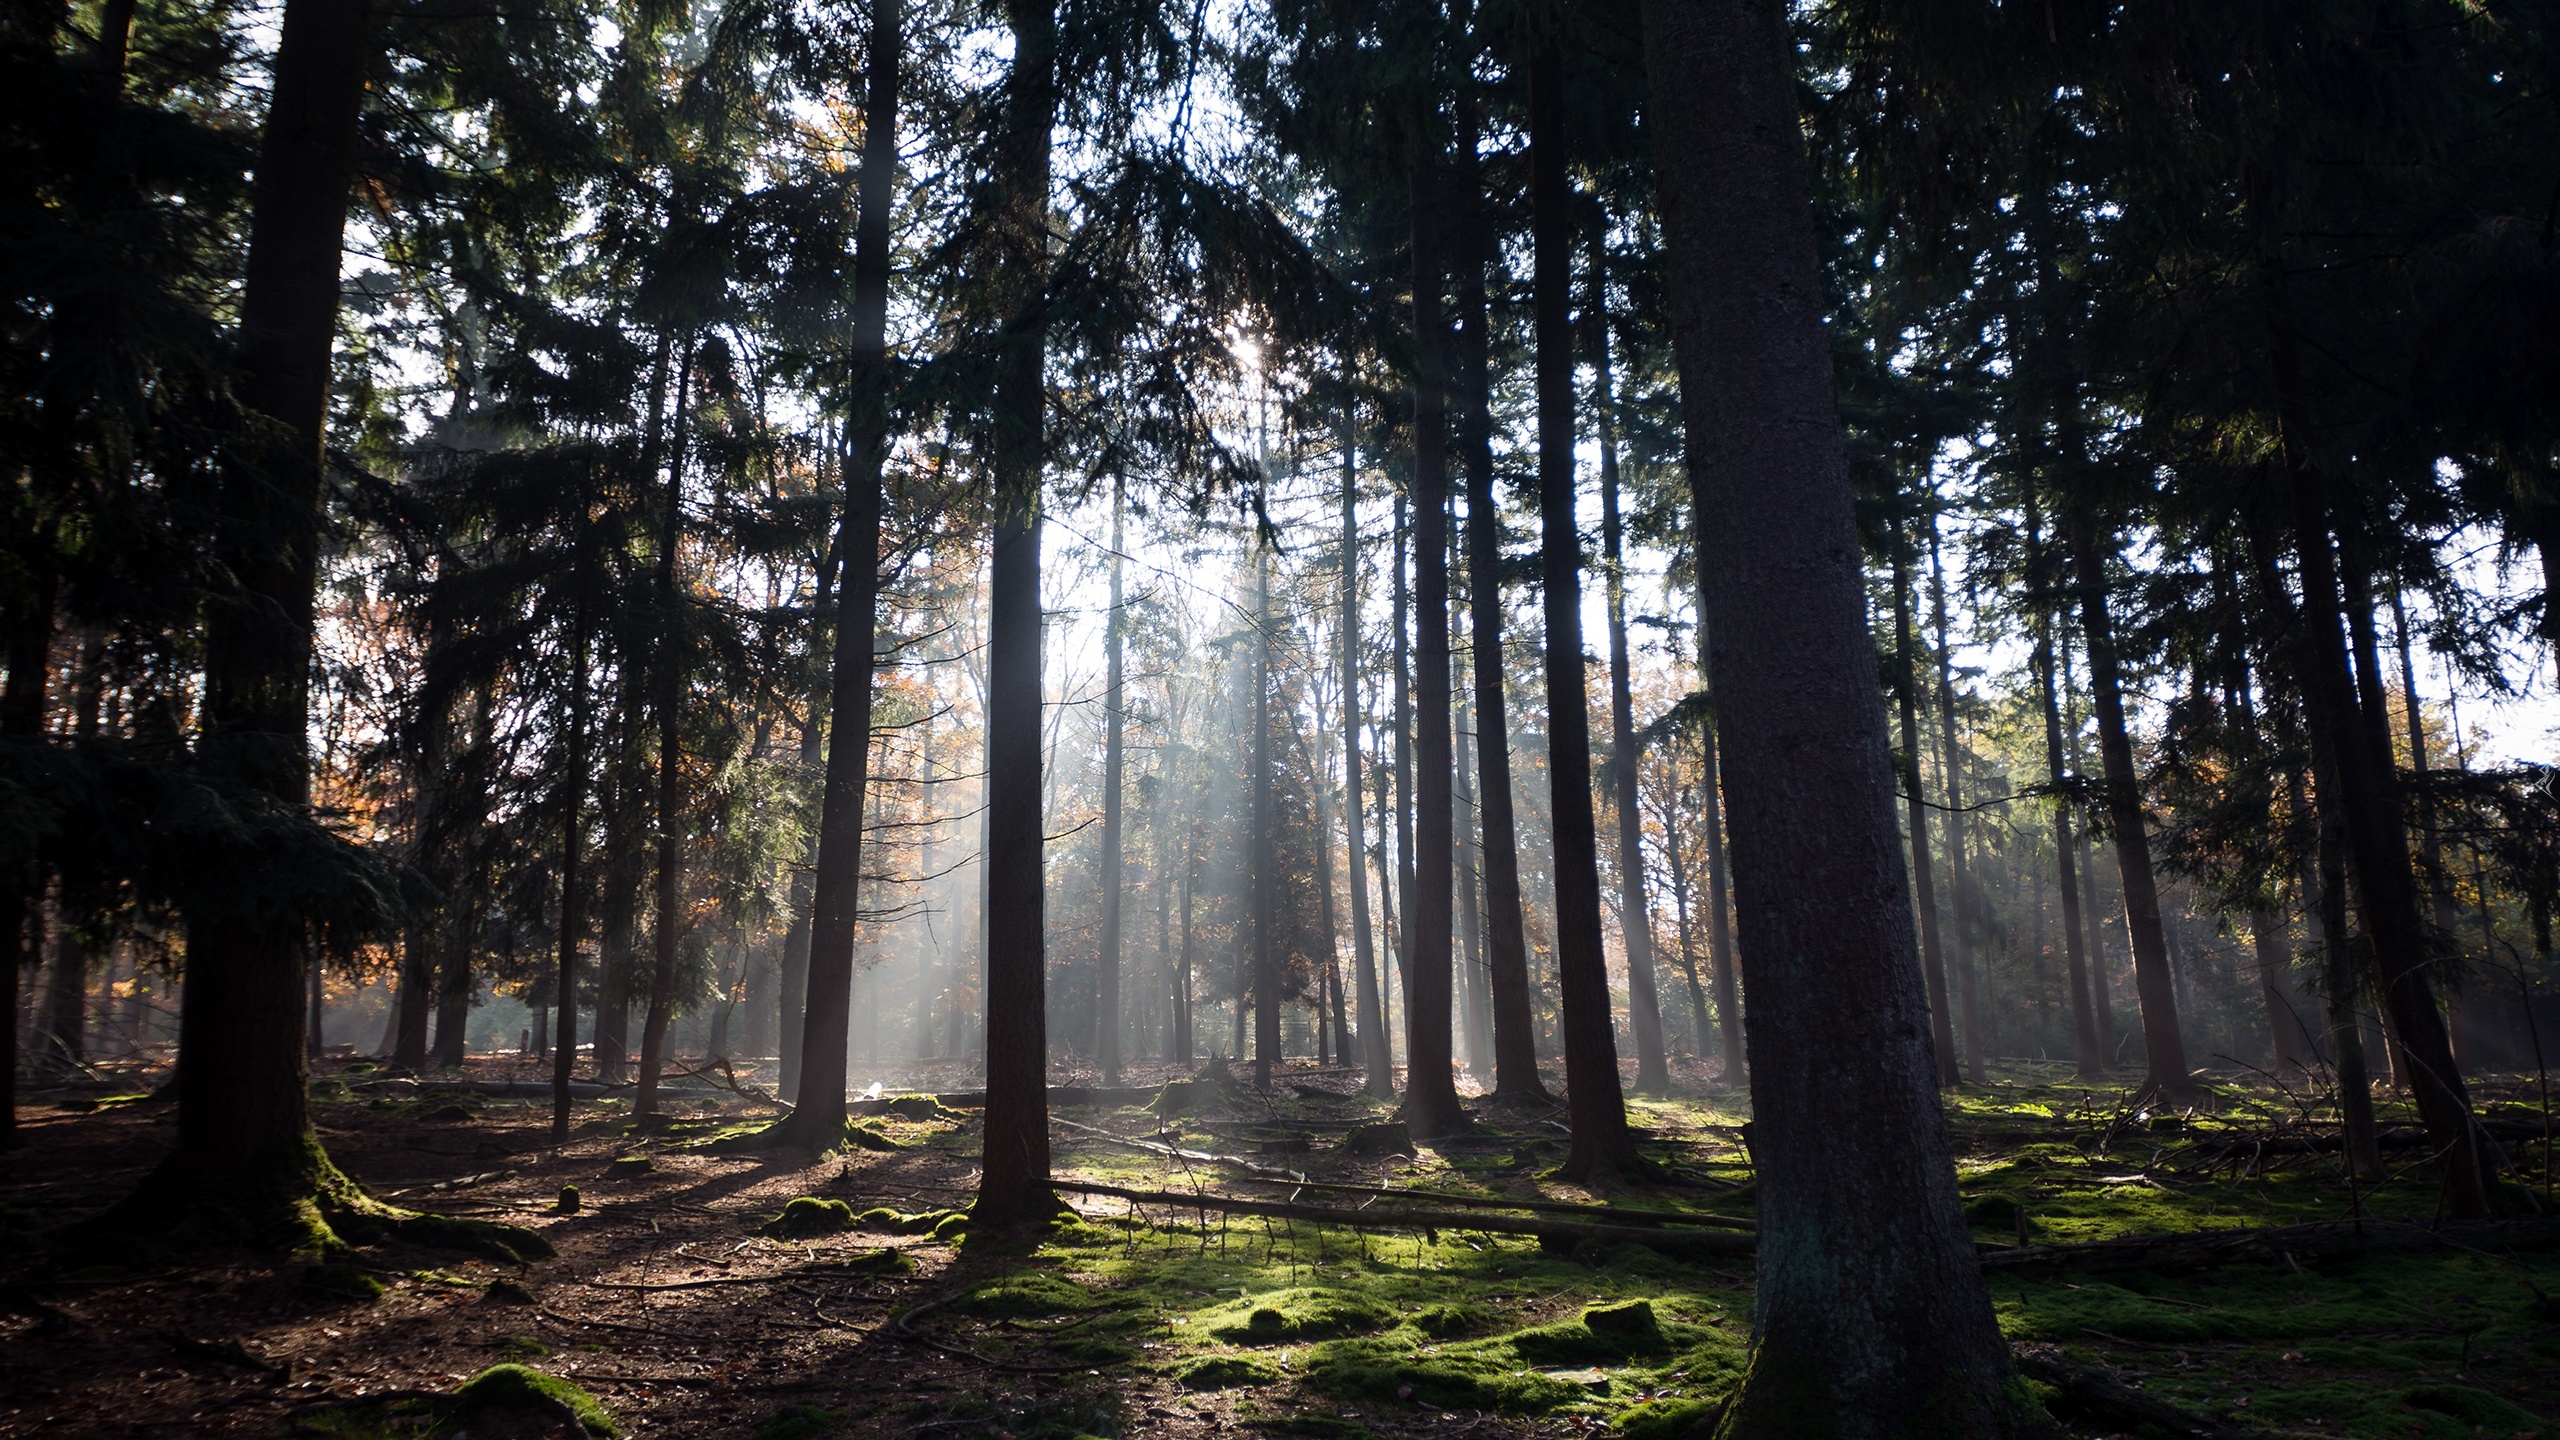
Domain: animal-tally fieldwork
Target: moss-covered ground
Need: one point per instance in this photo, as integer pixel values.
(785, 1294)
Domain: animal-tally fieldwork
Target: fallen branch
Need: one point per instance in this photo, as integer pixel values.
(1429, 1221)
(2092, 1394)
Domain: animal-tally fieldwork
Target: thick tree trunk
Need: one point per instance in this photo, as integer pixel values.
(1014, 1187)
(1959, 878)
(835, 907)
(792, 1003)
(2164, 1049)
(1106, 1025)
(243, 1128)
(1635, 919)
(2088, 1056)
(1597, 1104)
(1941, 1013)
(1378, 1068)
(1872, 1317)
(2378, 849)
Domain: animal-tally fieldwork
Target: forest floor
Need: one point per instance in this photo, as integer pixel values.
(676, 1308)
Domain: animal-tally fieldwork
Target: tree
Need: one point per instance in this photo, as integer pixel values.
(1872, 1317)
(1598, 1108)
(1014, 1188)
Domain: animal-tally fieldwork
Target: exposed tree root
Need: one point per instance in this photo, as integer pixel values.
(301, 1205)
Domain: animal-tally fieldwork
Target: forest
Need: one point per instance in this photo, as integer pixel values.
(1746, 718)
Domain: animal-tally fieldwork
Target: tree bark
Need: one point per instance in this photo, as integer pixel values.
(1941, 1013)
(1872, 1317)
(1106, 1037)
(1378, 1068)
(243, 1127)
(2164, 1049)
(1431, 1093)
(1596, 1103)
(1014, 1188)
(792, 1004)
(835, 909)
(1732, 1044)
(1635, 920)
(1959, 880)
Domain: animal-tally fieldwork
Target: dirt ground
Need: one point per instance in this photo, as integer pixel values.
(665, 1300)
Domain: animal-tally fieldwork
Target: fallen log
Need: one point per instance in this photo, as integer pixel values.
(2206, 1249)
(1544, 1207)
(1702, 1244)
(2091, 1394)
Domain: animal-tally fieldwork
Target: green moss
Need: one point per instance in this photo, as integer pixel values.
(1224, 1372)
(2476, 1408)
(870, 1137)
(514, 1387)
(1288, 1316)
(1669, 1420)
(950, 1228)
(810, 1215)
(1601, 1335)
(1451, 1319)
(521, 1347)
(1380, 1371)
(1024, 1295)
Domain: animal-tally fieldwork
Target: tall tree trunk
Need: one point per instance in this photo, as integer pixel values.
(573, 833)
(1906, 660)
(1597, 1105)
(1402, 903)
(1431, 1092)
(2378, 849)
(2164, 1050)
(2326, 904)
(1515, 1047)
(1106, 1025)
(835, 908)
(1732, 1044)
(2430, 841)
(1014, 1187)
(1378, 1068)
(667, 668)
(243, 1128)
(1872, 1317)
(1266, 817)
(1959, 879)
(1635, 920)
(792, 1004)
(2088, 1057)
(1474, 1006)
